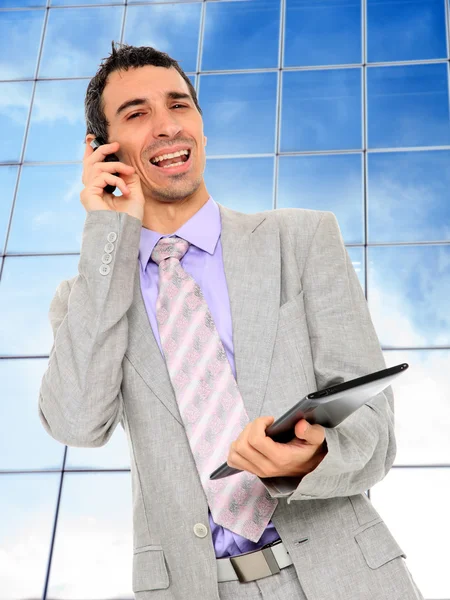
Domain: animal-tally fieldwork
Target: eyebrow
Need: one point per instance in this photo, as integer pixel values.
(140, 101)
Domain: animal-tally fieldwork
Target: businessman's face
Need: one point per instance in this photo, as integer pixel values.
(148, 122)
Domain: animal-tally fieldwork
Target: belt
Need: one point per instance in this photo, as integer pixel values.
(256, 564)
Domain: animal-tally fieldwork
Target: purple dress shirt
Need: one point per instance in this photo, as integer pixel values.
(203, 261)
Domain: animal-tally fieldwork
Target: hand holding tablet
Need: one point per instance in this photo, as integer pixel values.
(327, 407)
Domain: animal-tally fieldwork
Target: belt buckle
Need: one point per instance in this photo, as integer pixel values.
(256, 563)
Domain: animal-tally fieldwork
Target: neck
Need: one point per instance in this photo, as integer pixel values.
(168, 217)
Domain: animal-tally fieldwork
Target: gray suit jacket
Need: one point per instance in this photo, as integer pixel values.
(300, 323)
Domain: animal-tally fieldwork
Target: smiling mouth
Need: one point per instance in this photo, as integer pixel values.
(175, 164)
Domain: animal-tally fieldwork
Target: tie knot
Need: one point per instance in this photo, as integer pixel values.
(169, 247)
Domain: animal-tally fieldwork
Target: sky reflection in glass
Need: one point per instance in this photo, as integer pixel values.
(321, 110)
(242, 184)
(408, 196)
(23, 3)
(332, 183)
(21, 380)
(15, 100)
(57, 127)
(426, 380)
(408, 106)
(171, 28)
(405, 30)
(322, 32)
(239, 112)
(25, 327)
(254, 28)
(48, 214)
(20, 36)
(8, 177)
(94, 544)
(409, 288)
(76, 51)
(29, 502)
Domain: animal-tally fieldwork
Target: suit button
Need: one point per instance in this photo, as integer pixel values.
(105, 269)
(109, 247)
(200, 530)
(106, 259)
(112, 237)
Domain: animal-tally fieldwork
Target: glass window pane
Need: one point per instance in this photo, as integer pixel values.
(23, 3)
(426, 380)
(20, 36)
(25, 327)
(77, 51)
(239, 112)
(75, 2)
(93, 550)
(57, 126)
(321, 110)
(408, 106)
(408, 196)
(48, 214)
(14, 107)
(408, 290)
(322, 32)
(414, 505)
(332, 183)
(252, 26)
(405, 30)
(171, 28)
(33, 448)
(8, 177)
(357, 258)
(158, 1)
(243, 184)
(29, 503)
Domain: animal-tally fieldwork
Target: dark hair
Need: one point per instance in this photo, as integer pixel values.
(125, 57)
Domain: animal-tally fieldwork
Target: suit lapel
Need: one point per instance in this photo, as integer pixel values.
(251, 256)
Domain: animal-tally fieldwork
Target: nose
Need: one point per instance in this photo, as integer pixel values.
(165, 124)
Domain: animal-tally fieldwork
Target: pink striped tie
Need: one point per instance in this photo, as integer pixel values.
(207, 394)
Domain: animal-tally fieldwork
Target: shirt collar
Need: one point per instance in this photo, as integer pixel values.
(202, 230)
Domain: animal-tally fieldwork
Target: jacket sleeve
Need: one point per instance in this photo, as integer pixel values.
(80, 400)
(344, 345)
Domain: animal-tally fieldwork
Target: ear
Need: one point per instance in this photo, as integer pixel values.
(89, 138)
(206, 140)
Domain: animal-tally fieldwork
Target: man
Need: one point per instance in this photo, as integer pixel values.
(194, 326)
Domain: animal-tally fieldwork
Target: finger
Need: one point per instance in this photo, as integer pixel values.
(258, 440)
(253, 462)
(104, 178)
(99, 154)
(314, 434)
(113, 167)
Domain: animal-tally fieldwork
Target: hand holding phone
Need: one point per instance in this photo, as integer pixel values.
(102, 173)
(96, 143)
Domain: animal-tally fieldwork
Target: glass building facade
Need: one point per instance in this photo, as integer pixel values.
(323, 104)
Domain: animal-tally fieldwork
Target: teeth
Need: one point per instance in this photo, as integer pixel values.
(165, 156)
(173, 165)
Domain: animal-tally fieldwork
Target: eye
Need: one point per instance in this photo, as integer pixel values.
(134, 115)
(182, 105)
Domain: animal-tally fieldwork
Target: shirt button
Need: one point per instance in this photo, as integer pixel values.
(112, 237)
(200, 530)
(105, 269)
(106, 259)
(108, 247)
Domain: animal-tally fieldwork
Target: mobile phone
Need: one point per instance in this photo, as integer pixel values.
(99, 141)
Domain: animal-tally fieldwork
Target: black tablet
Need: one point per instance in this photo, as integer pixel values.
(327, 407)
